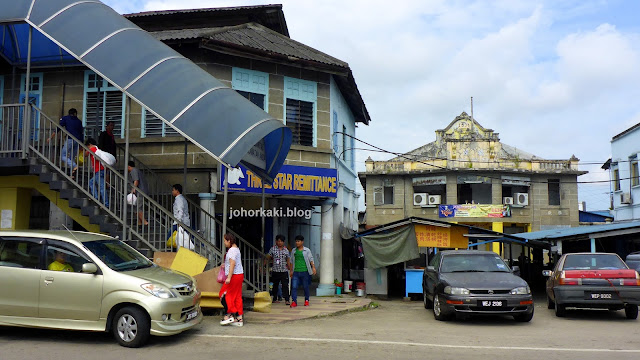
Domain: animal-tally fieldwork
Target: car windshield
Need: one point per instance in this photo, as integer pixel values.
(593, 262)
(117, 255)
(473, 263)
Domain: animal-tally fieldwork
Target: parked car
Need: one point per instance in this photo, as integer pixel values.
(474, 282)
(593, 280)
(633, 261)
(87, 281)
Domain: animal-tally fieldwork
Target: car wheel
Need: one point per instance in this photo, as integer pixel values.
(427, 303)
(631, 311)
(560, 309)
(523, 317)
(131, 327)
(437, 309)
(550, 303)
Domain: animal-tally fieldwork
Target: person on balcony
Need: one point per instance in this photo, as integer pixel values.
(97, 183)
(106, 140)
(70, 148)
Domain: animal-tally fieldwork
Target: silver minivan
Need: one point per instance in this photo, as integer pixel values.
(87, 281)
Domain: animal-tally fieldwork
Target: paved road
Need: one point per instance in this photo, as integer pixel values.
(395, 330)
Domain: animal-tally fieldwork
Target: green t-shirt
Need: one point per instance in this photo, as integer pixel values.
(299, 263)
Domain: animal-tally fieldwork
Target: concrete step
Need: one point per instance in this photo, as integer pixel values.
(99, 219)
(68, 193)
(79, 202)
(46, 176)
(58, 184)
(90, 209)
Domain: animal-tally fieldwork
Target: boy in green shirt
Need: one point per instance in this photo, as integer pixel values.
(303, 268)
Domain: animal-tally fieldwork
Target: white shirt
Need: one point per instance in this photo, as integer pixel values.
(181, 210)
(233, 253)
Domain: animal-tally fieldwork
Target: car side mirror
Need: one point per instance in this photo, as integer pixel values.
(546, 273)
(431, 268)
(516, 269)
(89, 268)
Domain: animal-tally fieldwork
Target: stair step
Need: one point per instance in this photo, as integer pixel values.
(99, 219)
(58, 185)
(90, 210)
(110, 228)
(79, 202)
(47, 177)
(37, 169)
(67, 193)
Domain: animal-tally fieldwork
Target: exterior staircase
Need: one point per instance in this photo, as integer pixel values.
(110, 210)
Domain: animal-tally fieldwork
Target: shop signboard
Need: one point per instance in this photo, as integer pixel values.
(474, 210)
(441, 237)
(291, 180)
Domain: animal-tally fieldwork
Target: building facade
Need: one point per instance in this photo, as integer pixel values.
(249, 50)
(623, 172)
(469, 177)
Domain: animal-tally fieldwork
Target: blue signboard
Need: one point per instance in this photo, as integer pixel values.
(291, 180)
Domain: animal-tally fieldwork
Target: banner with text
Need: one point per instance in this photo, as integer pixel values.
(474, 210)
(441, 237)
(291, 180)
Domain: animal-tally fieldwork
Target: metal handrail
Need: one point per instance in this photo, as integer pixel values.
(112, 201)
(253, 259)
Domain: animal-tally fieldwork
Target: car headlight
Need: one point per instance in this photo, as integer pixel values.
(524, 290)
(456, 291)
(157, 290)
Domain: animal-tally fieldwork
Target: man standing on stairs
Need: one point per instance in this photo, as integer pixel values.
(70, 148)
(97, 183)
(138, 182)
(180, 207)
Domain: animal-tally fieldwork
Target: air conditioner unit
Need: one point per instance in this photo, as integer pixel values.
(420, 199)
(507, 200)
(521, 199)
(435, 199)
(625, 198)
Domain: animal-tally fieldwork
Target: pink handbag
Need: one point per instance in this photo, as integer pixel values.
(222, 277)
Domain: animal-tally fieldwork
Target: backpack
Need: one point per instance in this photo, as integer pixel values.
(106, 157)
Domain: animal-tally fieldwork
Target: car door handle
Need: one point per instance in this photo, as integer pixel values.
(48, 280)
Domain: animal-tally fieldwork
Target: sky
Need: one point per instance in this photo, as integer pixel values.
(554, 78)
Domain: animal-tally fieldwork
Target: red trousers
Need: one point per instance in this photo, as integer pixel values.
(234, 294)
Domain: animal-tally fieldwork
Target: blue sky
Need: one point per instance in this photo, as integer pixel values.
(554, 78)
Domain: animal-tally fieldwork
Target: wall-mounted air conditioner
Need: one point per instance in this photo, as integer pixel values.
(625, 198)
(521, 199)
(507, 200)
(420, 199)
(435, 200)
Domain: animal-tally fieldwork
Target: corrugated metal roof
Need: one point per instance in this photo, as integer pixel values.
(187, 11)
(575, 231)
(253, 36)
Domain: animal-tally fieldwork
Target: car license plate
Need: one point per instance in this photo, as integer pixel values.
(491, 303)
(600, 296)
(192, 315)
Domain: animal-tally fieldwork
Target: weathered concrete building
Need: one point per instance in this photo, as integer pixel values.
(467, 175)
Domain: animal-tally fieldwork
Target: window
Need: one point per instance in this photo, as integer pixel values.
(554, 191)
(634, 173)
(300, 121)
(64, 257)
(473, 189)
(20, 253)
(152, 126)
(388, 195)
(353, 154)
(102, 102)
(253, 85)
(616, 179)
(383, 195)
(300, 117)
(336, 146)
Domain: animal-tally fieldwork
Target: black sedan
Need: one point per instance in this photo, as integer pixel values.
(474, 282)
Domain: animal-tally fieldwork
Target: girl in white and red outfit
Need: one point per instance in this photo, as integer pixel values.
(231, 292)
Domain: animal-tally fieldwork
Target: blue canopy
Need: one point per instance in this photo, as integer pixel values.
(214, 117)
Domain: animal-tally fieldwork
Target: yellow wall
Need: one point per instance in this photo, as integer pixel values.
(15, 195)
(15, 202)
(495, 246)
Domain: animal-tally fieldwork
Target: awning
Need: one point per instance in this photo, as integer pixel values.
(214, 117)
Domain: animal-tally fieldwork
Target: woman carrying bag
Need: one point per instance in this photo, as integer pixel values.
(231, 292)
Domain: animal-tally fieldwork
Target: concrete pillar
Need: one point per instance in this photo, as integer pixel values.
(208, 226)
(57, 218)
(326, 286)
(497, 227)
